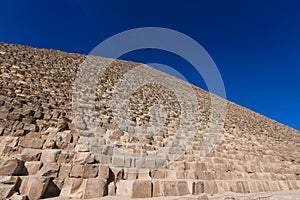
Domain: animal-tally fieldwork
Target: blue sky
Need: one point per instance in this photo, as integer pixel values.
(255, 44)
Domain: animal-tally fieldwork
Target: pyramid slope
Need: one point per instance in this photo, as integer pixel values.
(44, 154)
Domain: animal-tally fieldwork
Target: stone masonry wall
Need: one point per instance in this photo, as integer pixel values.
(45, 152)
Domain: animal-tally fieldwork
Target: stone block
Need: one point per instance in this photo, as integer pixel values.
(103, 172)
(90, 171)
(50, 156)
(242, 187)
(157, 188)
(7, 185)
(158, 174)
(49, 170)
(66, 157)
(35, 143)
(33, 187)
(182, 188)
(33, 167)
(64, 170)
(30, 127)
(198, 187)
(31, 154)
(112, 189)
(118, 161)
(210, 187)
(12, 166)
(124, 188)
(144, 174)
(83, 158)
(73, 188)
(77, 171)
(95, 188)
(142, 189)
(9, 141)
(63, 139)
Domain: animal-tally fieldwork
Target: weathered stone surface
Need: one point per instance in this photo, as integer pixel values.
(63, 139)
(35, 143)
(84, 188)
(49, 170)
(141, 189)
(210, 187)
(7, 185)
(73, 188)
(77, 171)
(33, 187)
(31, 154)
(33, 167)
(124, 188)
(10, 167)
(64, 170)
(37, 125)
(95, 188)
(83, 158)
(50, 156)
(198, 187)
(90, 171)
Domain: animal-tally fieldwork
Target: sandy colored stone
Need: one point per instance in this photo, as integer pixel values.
(10, 167)
(50, 155)
(77, 171)
(90, 171)
(83, 158)
(141, 189)
(7, 185)
(33, 187)
(31, 154)
(33, 167)
(95, 188)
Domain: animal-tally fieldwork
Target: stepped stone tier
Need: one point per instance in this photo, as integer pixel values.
(51, 147)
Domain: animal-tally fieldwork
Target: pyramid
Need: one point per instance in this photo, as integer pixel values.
(81, 127)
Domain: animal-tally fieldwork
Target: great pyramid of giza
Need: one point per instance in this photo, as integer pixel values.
(61, 138)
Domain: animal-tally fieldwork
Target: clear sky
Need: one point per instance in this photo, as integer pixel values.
(254, 43)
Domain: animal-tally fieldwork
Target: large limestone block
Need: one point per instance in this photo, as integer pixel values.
(77, 171)
(157, 188)
(103, 172)
(64, 170)
(90, 171)
(124, 188)
(28, 154)
(198, 187)
(84, 158)
(210, 187)
(33, 167)
(11, 167)
(50, 155)
(7, 185)
(35, 143)
(77, 188)
(49, 170)
(63, 139)
(9, 141)
(242, 187)
(95, 188)
(182, 188)
(73, 188)
(169, 188)
(33, 187)
(141, 189)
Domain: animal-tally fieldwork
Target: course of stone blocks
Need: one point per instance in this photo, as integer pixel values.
(46, 153)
